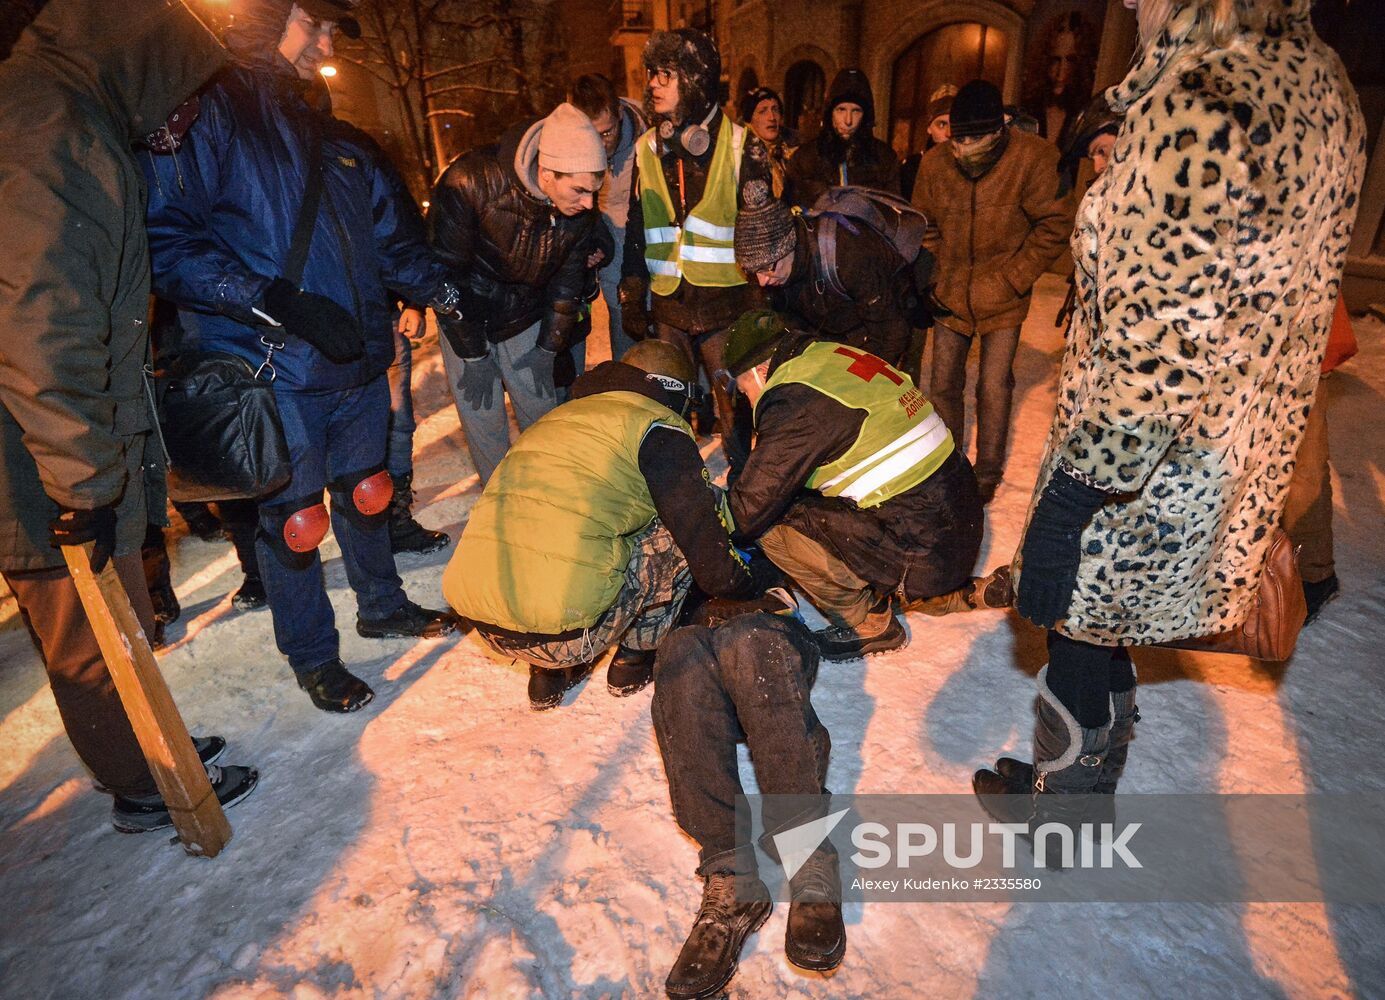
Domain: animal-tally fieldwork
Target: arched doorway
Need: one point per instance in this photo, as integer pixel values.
(747, 82)
(949, 54)
(805, 88)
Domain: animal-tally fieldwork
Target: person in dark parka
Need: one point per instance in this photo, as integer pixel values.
(223, 216)
(866, 306)
(846, 151)
(83, 82)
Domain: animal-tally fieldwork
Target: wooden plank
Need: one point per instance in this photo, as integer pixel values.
(182, 780)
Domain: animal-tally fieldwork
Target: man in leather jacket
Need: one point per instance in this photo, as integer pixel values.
(515, 220)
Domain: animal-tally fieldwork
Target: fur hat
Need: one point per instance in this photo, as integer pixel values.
(697, 61)
(765, 231)
(977, 110)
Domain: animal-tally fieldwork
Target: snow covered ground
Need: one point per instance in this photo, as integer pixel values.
(447, 842)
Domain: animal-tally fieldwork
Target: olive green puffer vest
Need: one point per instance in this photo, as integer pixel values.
(546, 547)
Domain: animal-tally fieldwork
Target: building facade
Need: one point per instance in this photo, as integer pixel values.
(1047, 56)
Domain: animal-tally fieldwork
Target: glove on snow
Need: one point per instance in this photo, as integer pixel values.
(477, 383)
(1052, 548)
(316, 319)
(76, 527)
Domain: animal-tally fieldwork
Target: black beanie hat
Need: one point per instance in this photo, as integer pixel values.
(850, 86)
(751, 99)
(977, 110)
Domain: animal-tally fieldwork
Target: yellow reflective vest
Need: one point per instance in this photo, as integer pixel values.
(902, 441)
(702, 250)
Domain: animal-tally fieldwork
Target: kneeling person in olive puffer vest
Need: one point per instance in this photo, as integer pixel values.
(594, 528)
(855, 488)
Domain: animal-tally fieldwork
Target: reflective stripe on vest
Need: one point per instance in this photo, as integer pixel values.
(901, 441)
(702, 250)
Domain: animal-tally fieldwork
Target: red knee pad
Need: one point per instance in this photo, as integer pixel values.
(305, 529)
(373, 494)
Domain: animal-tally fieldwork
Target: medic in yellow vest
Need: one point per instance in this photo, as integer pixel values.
(679, 279)
(855, 488)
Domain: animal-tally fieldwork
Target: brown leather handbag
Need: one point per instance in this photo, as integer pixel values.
(1271, 630)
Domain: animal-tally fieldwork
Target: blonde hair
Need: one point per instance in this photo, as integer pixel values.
(1216, 21)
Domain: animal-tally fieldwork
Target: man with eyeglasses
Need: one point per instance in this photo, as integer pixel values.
(691, 168)
(282, 234)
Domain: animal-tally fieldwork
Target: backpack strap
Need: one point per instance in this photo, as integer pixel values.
(826, 233)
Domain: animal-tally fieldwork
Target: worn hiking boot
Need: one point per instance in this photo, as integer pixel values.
(409, 622)
(547, 686)
(142, 813)
(333, 688)
(629, 671)
(733, 908)
(980, 593)
(251, 596)
(406, 534)
(880, 631)
(815, 936)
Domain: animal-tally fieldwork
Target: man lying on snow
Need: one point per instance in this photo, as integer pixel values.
(594, 527)
(855, 488)
(717, 683)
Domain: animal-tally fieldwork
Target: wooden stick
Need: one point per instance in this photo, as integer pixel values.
(182, 779)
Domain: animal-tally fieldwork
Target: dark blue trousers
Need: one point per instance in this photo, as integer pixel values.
(331, 436)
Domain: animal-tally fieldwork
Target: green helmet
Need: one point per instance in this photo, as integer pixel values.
(752, 340)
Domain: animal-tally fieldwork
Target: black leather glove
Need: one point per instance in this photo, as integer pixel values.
(77, 527)
(1052, 548)
(539, 363)
(467, 339)
(316, 319)
(632, 293)
(477, 383)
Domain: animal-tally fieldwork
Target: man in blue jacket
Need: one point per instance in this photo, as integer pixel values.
(222, 218)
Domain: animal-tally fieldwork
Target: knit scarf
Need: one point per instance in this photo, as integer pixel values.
(976, 159)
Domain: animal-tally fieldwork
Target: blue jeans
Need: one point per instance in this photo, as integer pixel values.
(399, 446)
(330, 435)
(609, 277)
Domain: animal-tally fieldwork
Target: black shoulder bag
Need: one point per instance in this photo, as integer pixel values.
(217, 414)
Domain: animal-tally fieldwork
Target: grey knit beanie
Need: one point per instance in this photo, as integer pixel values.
(765, 232)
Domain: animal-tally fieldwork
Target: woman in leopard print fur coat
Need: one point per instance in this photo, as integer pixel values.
(1208, 260)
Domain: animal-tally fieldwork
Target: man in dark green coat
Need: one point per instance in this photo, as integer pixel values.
(84, 80)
